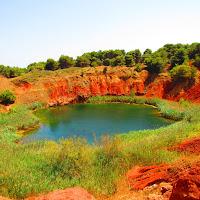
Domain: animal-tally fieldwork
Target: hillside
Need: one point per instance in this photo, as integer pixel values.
(75, 85)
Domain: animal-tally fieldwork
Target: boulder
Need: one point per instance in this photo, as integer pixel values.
(67, 194)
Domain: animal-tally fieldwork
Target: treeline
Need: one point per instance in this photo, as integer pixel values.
(169, 55)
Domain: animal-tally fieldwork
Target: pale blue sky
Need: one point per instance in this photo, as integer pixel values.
(35, 30)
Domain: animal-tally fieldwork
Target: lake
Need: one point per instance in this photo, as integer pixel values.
(85, 120)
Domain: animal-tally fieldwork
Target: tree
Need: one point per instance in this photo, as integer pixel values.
(112, 53)
(118, 61)
(82, 61)
(129, 60)
(107, 62)
(51, 64)
(147, 53)
(96, 62)
(179, 57)
(105, 70)
(183, 72)
(157, 62)
(11, 72)
(65, 62)
(137, 56)
(7, 97)
(33, 66)
(197, 61)
(194, 50)
(170, 49)
(138, 67)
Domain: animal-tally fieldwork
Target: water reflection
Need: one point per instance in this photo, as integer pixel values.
(86, 120)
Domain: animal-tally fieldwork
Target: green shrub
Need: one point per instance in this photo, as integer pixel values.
(7, 97)
(184, 103)
(105, 70)
(183, 72)
(197, 61)
(51, 64)
(37, 105)
(138, 67)
(132, 93)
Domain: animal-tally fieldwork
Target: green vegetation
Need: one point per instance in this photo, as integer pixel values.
(19, 118)
(129, 60)
(7, 97)
(65, 62)
(179, 57)
(166, 109)
(105, 70)
(138, 67)
(11, 72)
(41, 167)
(183, 72)
(34, 66)
(157, 61)
(162, 60)
(51, 64)
(82, 61)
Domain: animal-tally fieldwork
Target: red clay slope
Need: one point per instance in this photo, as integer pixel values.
(192, 94)
(184, 178)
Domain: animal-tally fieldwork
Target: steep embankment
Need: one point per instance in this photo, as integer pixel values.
(75, 85)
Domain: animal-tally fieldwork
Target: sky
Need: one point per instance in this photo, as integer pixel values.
(35, 30)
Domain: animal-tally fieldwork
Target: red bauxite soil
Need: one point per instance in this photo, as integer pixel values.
(192, 94)
(140, 177)
(189, 147)
(184, 180)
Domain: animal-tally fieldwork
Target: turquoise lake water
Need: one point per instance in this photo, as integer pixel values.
(85, 120)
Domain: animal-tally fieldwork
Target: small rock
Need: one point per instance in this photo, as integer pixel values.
(67, 194)
(150, 188)
(166, 187)
(155, 197)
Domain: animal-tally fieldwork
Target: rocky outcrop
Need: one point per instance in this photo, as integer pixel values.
(140, 177)
(166, 184)
(193, 94)
(82, 87)
(63, 88)
(178, 181)
(187, 187)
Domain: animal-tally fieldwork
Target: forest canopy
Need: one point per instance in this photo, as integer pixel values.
(170, 55)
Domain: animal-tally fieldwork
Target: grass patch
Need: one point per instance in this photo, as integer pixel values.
(19, 118)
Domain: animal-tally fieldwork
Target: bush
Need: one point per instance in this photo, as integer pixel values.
(7, 97)
(51, 64)
(65, 62)
(183, 72)
(132, 94)
(105, 70)
(183, 102)
(197, 61)
(138, 67)
(156, 64)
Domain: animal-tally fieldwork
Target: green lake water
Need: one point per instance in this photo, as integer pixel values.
(85, 120)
